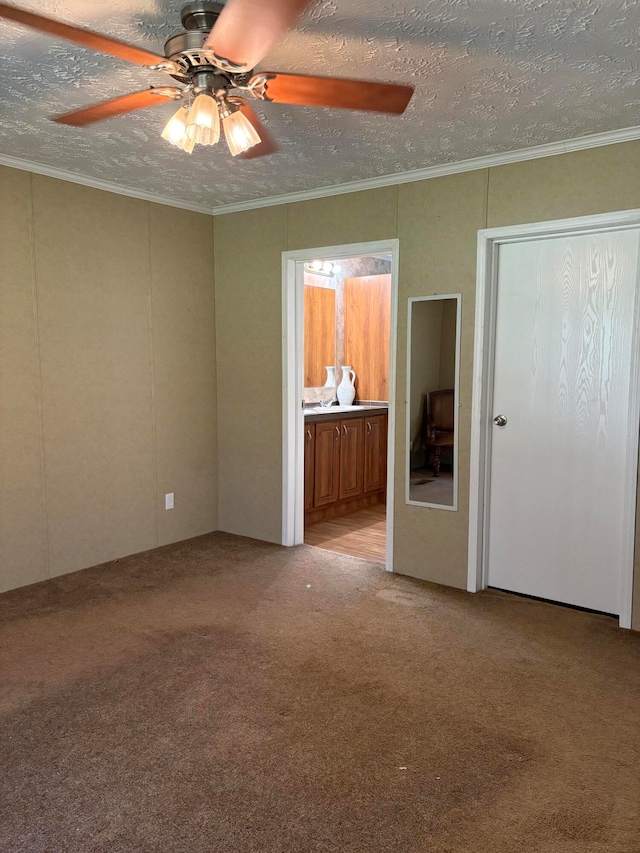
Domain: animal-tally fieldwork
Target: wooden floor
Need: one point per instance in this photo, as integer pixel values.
(361, 534)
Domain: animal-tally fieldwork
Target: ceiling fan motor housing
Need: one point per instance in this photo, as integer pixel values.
(201, 15)
(210, 80)
(188, 51)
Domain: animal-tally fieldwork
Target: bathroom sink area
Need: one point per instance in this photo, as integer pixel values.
(344, 409)
(333, 410)
(330, 410)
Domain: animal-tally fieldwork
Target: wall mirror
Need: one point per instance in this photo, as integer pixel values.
(433, 356)
(347, 321)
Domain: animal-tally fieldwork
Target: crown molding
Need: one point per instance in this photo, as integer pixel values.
(98, 184)
(550, 149)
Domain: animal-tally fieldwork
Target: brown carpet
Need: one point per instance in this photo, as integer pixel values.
(226, 696)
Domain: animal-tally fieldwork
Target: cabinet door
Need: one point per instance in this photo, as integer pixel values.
(309, 463)
(327, 463)
(375, 453)
(351, 457)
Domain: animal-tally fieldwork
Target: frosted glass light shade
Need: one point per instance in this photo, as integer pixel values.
(203, 121)
(175, 131)
(239, 133)
(176, 126)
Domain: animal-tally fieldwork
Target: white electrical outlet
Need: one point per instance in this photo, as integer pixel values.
(168, 501)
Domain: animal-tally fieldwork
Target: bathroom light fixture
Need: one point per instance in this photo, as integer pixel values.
(321, 267)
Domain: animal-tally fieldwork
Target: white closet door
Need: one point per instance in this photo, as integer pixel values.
(562, 378)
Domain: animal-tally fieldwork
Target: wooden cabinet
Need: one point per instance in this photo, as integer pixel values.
(351, 457)
(309, 462)
(326, 469)
(345, 465)
(375, 453)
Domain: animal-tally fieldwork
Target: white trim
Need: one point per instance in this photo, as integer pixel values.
(292, 383)
(456, 413)
(394, 248)
(482, 341)
(486, 288)
(99, 184)
(550, 149)
(291, 399)
(631, 482)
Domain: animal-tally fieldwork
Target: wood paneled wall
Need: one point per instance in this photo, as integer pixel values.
(108, 388)
(367, 330)
(319, 334)
(449, 210)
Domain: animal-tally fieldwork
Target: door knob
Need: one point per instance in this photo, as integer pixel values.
(500, 420)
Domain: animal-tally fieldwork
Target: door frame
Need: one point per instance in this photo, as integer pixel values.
(292, 382)
(489, 241)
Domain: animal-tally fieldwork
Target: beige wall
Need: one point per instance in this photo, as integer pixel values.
(107, 390)
(248, 265)
(436, 222)
(108, 353)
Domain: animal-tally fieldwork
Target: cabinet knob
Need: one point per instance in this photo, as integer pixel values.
(344, 430)
(368, 427)
(337, 432)
(308, 435)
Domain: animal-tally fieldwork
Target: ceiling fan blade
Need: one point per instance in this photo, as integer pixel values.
(119, 106)
(246, 30)
(86, 38)
(268, 144)
(331, 92)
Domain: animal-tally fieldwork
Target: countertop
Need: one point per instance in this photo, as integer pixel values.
(331, 413)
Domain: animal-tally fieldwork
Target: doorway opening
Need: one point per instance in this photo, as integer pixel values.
(339, 311)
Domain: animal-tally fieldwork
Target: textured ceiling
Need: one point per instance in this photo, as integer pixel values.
(490, 76)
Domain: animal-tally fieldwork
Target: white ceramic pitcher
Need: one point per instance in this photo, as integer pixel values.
(331, 376)
(347, 388)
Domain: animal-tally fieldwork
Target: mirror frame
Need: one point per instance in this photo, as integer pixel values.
(456, 411)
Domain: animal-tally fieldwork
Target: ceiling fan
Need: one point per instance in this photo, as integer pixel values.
(213, 57)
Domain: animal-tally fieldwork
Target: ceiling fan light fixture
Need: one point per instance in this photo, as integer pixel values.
(214, 29)
(239, 132)
(175, 131)
(203, 121)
